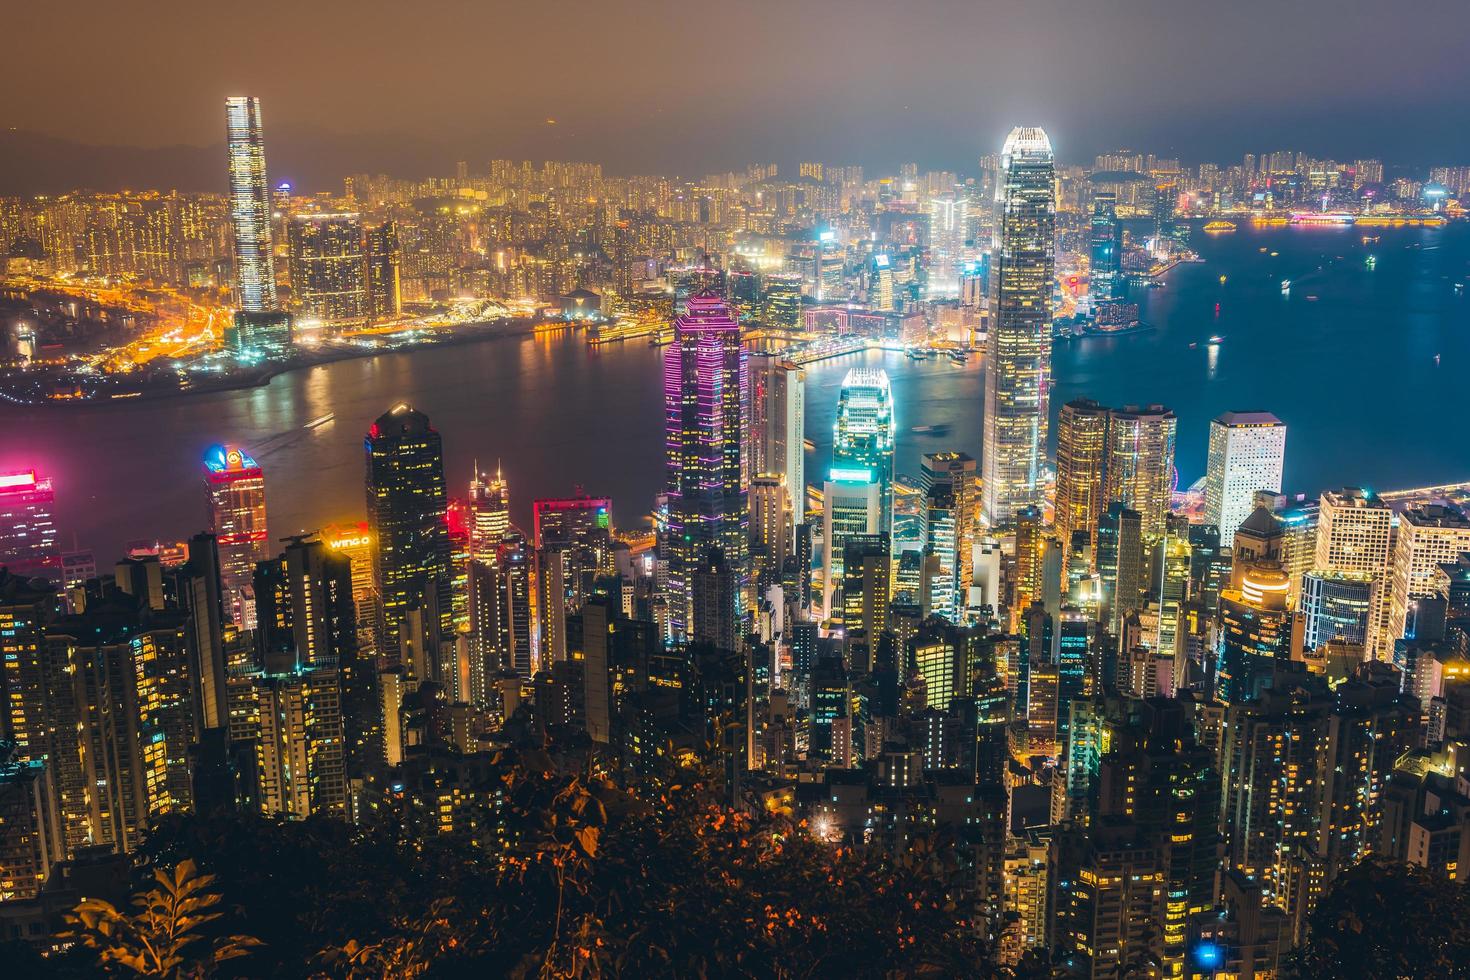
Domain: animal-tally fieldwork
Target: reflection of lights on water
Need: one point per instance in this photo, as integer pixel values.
(1212, 360)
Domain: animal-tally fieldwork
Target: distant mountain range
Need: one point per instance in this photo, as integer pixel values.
(34, 163)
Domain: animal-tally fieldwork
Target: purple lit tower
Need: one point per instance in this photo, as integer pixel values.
(706, 398)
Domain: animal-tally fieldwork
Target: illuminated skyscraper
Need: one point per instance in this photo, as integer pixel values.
(1105, 278)
(1428, 536)
(236, 489)
(490, 515)
(1254, 631)
(1355, 539)
(706, 402)
(778, 424)
(851, 505)
(329, 269)
(384, 294)
(949, 221)
(947, 502)
(27, 530)
(862, 437)
(250, 207)
(1082, 428)
(1141, 463)
(1246, 453)
(1018, 349)
(408, 513)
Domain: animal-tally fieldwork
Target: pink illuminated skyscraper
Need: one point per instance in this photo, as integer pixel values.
(236, 489)
(27, 529)
(706, 401)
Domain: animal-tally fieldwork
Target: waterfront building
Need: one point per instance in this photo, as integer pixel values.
(260, 327)
(863, 436)
(329, 271)
(1140, 465)
(1105, 251)
(1246, 452)
(408, 514)
(235, 485)
(28, 526)
(384, 260)
(706, 406)
(949, 221)
(250, 207)
(1018, 352)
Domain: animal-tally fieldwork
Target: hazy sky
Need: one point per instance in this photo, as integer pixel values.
(650, 85)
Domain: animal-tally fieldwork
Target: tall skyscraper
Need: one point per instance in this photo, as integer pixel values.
(236, 497)
(947, 514)
(706, 401)
(27, 527)
(851, 505)
(1105, 277)
(408, 513)
(489, 515)
(1140, 470)
(1082, 428)
(778, 424)
(1018, 348)
(1245, 455)
(949, 222)
(862, 437)
(329, 270)
(384, 294)
(250, 207)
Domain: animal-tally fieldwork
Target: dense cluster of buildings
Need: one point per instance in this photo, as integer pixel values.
(827, 249)
(1154, 737)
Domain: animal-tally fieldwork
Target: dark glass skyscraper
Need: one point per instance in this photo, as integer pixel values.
(706, 402)
(1106, 250)
(408, 512)
(1018, 348)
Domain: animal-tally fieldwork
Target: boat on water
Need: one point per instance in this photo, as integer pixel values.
(919, 355)
(1220, 227)
(958, 356)
(1216, 339)
(808, 445)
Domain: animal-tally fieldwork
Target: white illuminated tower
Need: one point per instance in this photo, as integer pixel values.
(250, 206)
(1018, 348)
(1246, 453)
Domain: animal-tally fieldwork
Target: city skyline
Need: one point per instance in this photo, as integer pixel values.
(646, 556)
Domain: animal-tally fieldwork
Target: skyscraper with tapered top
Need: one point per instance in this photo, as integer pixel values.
(250, 206)
(862, 437)
(1018, 347)
(706, 404)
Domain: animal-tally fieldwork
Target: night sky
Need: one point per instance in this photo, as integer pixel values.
(652, 86)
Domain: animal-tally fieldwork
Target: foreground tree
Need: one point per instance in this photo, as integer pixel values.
(164, 937)
(1382, 920)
